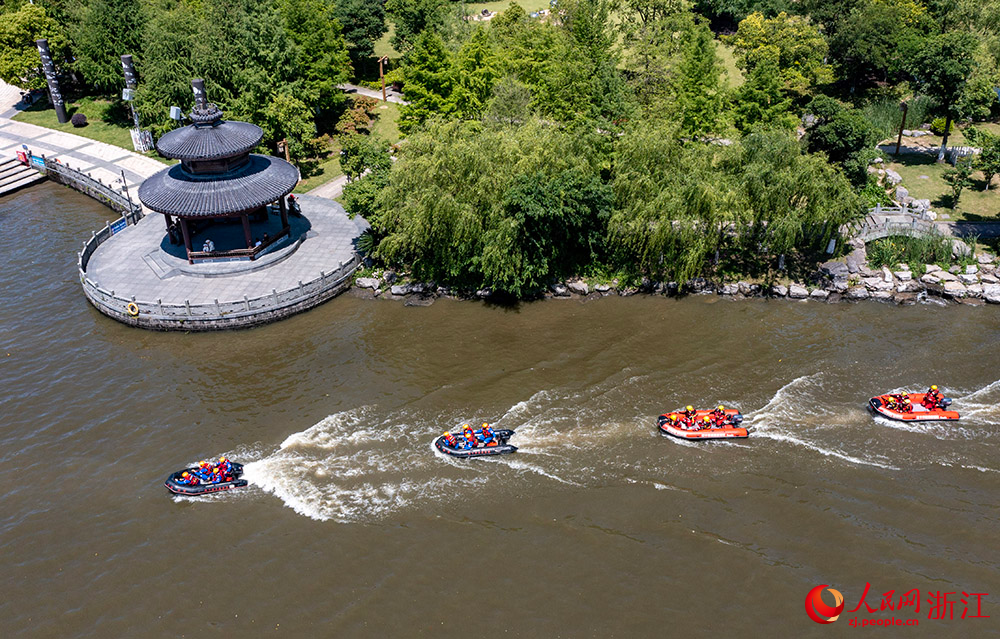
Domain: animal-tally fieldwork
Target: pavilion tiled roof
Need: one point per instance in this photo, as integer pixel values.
(174, 191)
(200, 142)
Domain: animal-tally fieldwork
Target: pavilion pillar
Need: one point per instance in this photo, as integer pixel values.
(169, 220)
(246, 230)
(187, 238)
(284, 212)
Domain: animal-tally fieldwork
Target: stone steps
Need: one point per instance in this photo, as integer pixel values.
(14, 175)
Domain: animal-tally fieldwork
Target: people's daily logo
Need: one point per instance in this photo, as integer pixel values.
(818, 610)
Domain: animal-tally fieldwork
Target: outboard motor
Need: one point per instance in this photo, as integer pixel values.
(737, 419)
(945, 402)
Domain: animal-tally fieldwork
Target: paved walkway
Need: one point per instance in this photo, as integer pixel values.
(390, 95)
(139, 263)
(102, 161)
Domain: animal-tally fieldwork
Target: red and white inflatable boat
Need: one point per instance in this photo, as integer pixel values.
(920, 413)
(731, 429)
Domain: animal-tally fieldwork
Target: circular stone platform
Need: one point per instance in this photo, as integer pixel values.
(139, 266)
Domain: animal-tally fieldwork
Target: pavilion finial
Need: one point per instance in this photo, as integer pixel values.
(204, 112)
(200, 99)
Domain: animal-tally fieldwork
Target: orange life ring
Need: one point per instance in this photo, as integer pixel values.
(132, 309)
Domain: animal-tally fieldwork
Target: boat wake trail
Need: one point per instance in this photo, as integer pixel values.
(799, 413)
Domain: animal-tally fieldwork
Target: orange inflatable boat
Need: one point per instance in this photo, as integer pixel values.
(729, 430)
(920, 413)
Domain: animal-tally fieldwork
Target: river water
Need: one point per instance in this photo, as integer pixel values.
(598, 526)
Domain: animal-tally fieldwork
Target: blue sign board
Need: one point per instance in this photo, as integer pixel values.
(118, 225)
(37, 161)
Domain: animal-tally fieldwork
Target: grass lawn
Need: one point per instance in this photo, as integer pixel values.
(326, 170)
(734, 77)
(386, 122)
(111, 131)
(923, 178)
(529, 6)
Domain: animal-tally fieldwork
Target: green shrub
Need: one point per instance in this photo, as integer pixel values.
(938, 124)
(914, 250)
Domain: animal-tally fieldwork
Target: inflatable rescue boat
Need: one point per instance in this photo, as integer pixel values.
(203, 488)
(731, 429)
(920, 413)
(498, 446)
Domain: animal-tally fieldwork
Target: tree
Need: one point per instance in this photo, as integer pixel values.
(412, 18)
(958, 177)
(19, 61)
(648, 29)
(877, 38)
(761, 101)
(430, 81)
(942, 68)
(106, 30)
(321, 55)
(801, 49)
(363, 153)
(363, 22)
(288, 118)
(699, 95)
(845, 135)
(477, 69)
(988, 161)
(510, 104)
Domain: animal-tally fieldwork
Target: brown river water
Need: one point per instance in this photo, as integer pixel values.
(352, 525)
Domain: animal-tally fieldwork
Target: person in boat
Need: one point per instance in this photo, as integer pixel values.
(487, 434)
(689, 413)
(933, 397)
(470, 437)
(719, 417)
(906, 406)
(706, 423)
(187, 479)
(204, 471)
(450, 440)
(225, 466)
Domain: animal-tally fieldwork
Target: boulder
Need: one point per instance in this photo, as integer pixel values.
(779, 291)
(729, 289)
(967, 279)
(882, 296)
(483, 293)
(974, 290)
(422, 288)
(559, 290)
(400, 289)
(971, 269)
(901, 193)
(877, 284)
(834, 269)
(856, 259)
(930, 278)
(990, 279)
(696, 285)
(750, 290)
(991, 293)
(922, 205)
(946, 276)
(902, 267)
(819, 294)
(367, 282)
(903, 276)
(838, 285)
(909, 287)
(602, 288)
(892, 177)
(580, 288)
(960, 248)
(797, 291)
(857, 293)
(931, 268)
(886, 274)
(389, 277)
(985, 258)
(954, 289)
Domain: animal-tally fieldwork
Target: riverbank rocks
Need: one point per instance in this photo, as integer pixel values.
(857, 293)
(602, 288)
(400, 289)
(892, 178)
(580, 288)
(798, 292)
(954, 289)
(558, 290)
(959, 249)
(729, 289)
(819, 294)
(991, 293)
(367, 282)
(985, 258)
(779, 291)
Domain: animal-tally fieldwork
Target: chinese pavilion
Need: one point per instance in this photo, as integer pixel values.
(218, 179)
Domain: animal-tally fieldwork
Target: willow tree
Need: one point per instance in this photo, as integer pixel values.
(503, 207)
